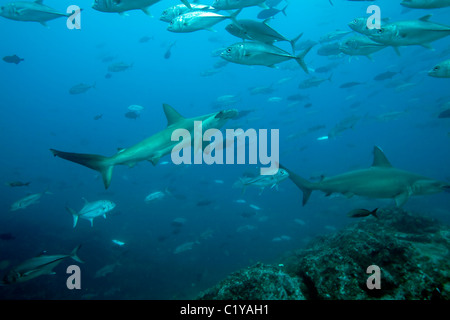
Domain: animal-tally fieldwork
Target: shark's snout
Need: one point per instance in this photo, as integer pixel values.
(227, 114)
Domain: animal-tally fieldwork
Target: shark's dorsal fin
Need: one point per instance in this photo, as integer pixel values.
(172, 115)
(379, 159)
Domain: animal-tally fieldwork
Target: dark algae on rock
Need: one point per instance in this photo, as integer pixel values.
(258, 282)
(411, 251)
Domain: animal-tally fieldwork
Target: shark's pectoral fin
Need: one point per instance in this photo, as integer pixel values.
(401, 199)
(427, 46)
(131, 164)
(155, 160)
(147, 11)
(348, 194)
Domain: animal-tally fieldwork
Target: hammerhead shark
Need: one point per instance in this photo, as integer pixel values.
(151, 148)
(381, 181)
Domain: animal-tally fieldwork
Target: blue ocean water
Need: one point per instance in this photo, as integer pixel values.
(38, 113)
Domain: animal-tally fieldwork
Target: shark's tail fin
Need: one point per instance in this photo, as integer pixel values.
(92, 161)
(300, 59)
(306, 186)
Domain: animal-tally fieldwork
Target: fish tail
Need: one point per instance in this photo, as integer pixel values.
(74, 255)
(234, 15)
(284, 9)
(374, 213)
(92, 161)
(300, 59)
(304, 185)
(74, 215)
(293, 41)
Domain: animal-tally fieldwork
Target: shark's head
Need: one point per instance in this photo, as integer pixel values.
(226, 114)
(8, 11)
(217, 120)
(11, 277)
(428, 186)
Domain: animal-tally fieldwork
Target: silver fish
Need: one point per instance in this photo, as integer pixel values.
(258, 53)
(238, 4)
(262, 181)
(92, 210)
(34, 11)
(441, 70)
(37, 266)
(81, 88)
(120, 6)
(28, 201)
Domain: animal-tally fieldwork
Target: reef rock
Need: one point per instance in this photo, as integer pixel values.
(411, 251)
(258, 282)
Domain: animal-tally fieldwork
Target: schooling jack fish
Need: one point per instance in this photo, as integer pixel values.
(37, 266)
(31, 11)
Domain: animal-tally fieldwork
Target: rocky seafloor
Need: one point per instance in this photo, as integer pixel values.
(411, 251)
